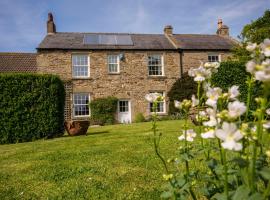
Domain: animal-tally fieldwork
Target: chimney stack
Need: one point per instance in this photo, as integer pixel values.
(168, 30)
(51, 29)
(222, 30)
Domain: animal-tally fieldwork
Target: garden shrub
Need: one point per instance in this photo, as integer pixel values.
(234, 73)
(103, 110)
(182, 89)
(139, 118)
(31, 107)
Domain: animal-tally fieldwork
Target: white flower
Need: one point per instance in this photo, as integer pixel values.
(190, 135)
(268, 111)
(266, 47)
(251, 46)
(267, 125)
(212, 122)
(208, 134)
(177, 104)
(250, 66)
(233, 92)
(151, 97)
(230, 135)
(195, 101)
(262, 75)
(212, 118)
(213, 94)
(236, 109)
(202, 113)
(199, 74)
(211, 65)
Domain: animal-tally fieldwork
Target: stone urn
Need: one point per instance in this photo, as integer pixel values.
(77, 127)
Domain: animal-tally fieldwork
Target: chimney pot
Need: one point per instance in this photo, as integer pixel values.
(51, 29)
(219, 23)
(168, 30)
(222, 30)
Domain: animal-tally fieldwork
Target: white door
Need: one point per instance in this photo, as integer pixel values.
(124, 111)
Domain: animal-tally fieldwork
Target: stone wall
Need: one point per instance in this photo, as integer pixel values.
(131, 83)
(193, 58)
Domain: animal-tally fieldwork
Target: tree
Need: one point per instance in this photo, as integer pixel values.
(254, 32)
(183, 88)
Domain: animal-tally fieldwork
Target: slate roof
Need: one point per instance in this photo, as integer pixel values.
(200, 42)
(74, 41)
(18, 62)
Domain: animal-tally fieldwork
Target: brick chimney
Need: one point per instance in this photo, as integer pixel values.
(168, 30)
(222, 30)
(51, 29)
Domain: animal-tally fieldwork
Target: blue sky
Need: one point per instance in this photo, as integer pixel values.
(23, 22)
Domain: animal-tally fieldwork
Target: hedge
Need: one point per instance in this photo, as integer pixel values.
(234, 73)
(31, 107)
(182, 89)
(103, 110)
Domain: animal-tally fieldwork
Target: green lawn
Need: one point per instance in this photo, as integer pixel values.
(111, 162)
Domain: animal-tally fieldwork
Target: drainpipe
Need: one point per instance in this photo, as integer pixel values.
(181, 62)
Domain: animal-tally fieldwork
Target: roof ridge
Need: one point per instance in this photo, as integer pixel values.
(17, 53)
(119, 33)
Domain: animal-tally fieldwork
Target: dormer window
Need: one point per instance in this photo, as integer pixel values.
(113, 64)
(155, 65)
(80, 66)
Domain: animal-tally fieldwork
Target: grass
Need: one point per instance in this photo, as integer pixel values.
(110, 162)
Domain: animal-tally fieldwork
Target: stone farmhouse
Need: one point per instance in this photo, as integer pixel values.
(125, 65)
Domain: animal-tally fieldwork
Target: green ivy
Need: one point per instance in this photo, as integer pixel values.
(31, 107)
(103, 110)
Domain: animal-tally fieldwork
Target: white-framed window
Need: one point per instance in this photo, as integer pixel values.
(155, 65)
(123, 106)
(81, 104)
(213, 58)
(161, 106)
(80, 66)
(113, 63)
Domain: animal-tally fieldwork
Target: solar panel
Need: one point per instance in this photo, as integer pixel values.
(124, 40)
(106, 39)
(91, 39)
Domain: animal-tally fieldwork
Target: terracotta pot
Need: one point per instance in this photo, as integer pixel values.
(78, 127)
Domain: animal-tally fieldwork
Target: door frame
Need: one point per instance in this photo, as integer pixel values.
(129, 109)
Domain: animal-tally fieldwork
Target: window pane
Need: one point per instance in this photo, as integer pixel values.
(160, 105)
(154, 65)
(80, 102)
(123, 106)
(80, 65)
(113, 63)
(213, 58)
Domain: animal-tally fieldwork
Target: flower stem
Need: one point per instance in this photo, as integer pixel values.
(225, 173)
(250, 85)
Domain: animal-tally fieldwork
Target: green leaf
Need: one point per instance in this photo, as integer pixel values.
(256, 196)
(219, 196)
(240, 162)
(166, 195)
(265, 172)
(242, 192)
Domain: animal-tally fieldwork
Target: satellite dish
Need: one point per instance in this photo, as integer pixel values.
(121, 56)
